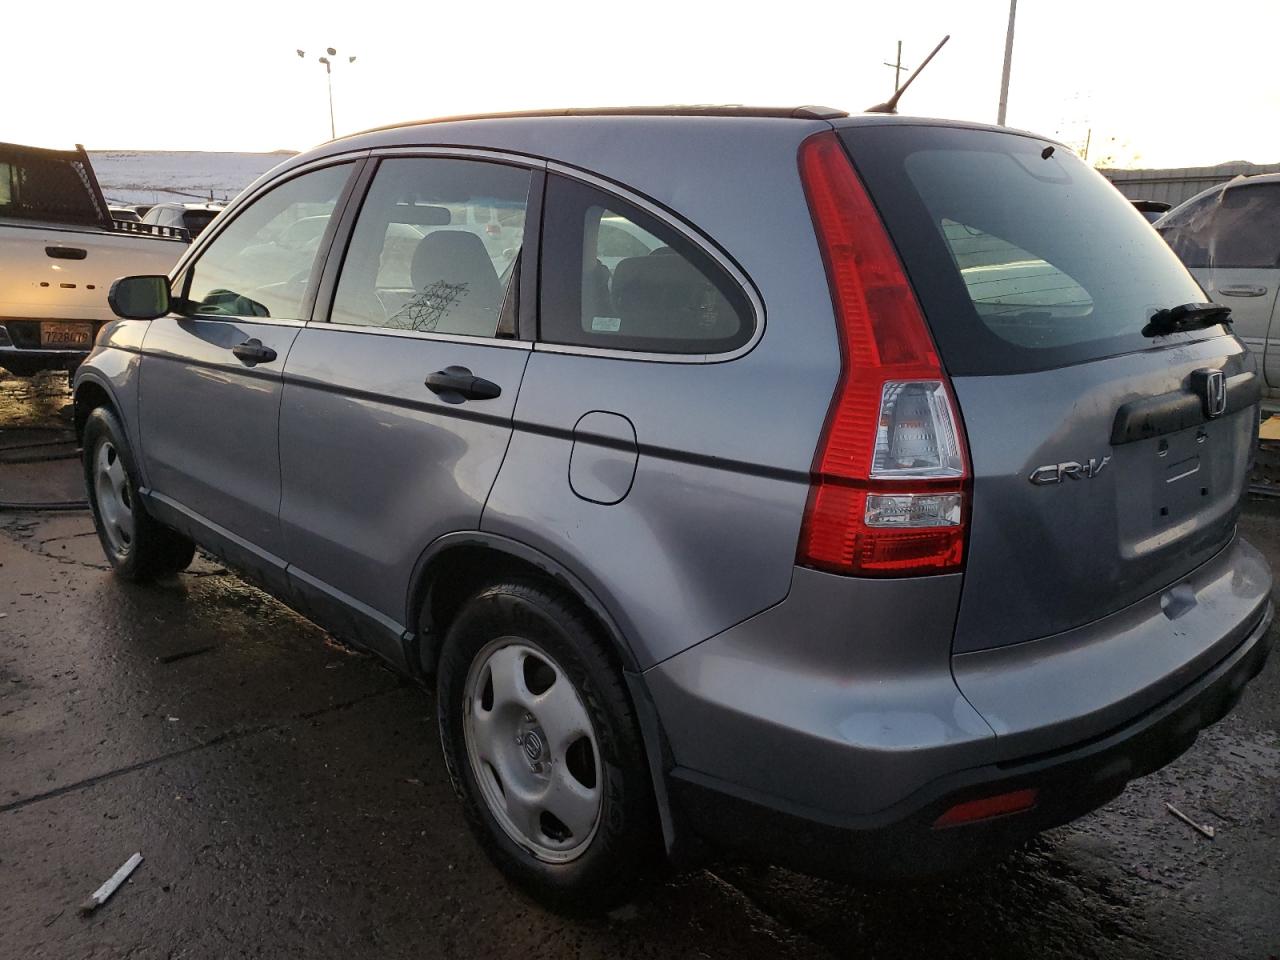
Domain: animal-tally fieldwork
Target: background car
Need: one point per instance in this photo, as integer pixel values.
(193, 217)
(1229, 238)
(1153, 210)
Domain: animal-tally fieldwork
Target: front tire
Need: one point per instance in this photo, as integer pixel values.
(543, 748)
(138, 548)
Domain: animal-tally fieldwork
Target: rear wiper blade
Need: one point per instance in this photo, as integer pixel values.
(1188, 316)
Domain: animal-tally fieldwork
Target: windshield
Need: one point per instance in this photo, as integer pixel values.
(1023, 257)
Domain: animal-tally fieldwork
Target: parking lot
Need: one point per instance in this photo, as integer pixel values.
(288, 798)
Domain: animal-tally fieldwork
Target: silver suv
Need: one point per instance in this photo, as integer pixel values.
(857, 493)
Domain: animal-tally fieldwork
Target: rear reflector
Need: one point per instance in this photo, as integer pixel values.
(1001, 805)
(889, 490)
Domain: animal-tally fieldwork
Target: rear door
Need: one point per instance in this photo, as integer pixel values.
(1104, 467)
(210, 379)
(1230, 240)
(397, 409)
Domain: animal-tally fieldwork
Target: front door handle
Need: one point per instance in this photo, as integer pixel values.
(1242, 290)
(456, 384)
(252, 352)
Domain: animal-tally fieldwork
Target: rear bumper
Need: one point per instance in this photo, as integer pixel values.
(20, 349)
(831, 731)
(902, 841)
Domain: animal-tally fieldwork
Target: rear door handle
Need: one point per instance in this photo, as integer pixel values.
(456, 384)
(252, 352)
(1242, 290)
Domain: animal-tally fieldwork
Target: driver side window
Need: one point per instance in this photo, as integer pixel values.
(260, 264)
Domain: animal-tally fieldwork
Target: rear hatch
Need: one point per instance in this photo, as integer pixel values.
(1099, 476)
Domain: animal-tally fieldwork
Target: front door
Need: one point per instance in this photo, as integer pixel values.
(211, 371)
(397, 411)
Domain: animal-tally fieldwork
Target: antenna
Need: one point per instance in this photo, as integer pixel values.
(891, 105)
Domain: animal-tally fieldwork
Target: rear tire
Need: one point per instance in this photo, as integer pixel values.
(138, 548)
(543, 748)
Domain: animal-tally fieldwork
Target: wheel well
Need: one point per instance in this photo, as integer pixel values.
(459, 573)
(89, 396)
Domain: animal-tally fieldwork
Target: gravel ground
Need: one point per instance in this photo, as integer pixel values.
(289, 800)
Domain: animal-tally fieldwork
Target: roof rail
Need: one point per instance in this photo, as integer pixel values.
(673, 110)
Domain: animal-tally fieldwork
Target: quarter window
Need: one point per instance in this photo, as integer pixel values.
(436, 248)
(259, 266)
(614, 276)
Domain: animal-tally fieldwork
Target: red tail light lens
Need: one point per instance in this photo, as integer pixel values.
(888, 495)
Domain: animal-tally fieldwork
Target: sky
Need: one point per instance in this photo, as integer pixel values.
(1157, 84)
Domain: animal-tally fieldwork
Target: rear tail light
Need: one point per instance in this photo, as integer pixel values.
(888, 495)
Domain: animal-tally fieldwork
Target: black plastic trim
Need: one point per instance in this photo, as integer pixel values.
(1178, 410)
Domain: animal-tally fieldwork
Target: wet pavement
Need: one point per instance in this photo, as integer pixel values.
(289, 799)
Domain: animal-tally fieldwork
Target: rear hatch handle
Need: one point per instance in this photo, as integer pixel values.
(1180, 409)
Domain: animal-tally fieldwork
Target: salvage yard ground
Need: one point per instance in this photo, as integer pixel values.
(288, 799)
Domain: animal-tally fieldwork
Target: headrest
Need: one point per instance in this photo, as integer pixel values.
(458, 258)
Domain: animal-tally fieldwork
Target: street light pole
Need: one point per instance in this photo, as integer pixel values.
(1008, 63)
(328, 75)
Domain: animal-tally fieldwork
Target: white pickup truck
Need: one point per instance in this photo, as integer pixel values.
(60, 251)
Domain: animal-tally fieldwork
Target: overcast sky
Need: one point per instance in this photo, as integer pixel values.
(1160, 84)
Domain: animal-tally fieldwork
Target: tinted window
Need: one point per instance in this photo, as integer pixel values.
(435, 248)
(615, 277)
(1021, 261)
(256, 267)
(38, 185)
(196, 220)
(1236, 227)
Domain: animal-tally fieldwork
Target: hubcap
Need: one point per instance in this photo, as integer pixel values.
(111, 491)
(532, 749)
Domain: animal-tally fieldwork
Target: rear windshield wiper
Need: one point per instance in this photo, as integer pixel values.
(1188, 316)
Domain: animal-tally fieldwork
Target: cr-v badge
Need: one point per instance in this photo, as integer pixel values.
(1057, 472)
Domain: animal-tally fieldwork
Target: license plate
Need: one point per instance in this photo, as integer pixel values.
(63, 335)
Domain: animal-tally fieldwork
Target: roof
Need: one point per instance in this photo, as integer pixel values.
(673, 110)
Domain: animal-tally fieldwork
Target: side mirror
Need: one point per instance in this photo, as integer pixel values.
(140, 298)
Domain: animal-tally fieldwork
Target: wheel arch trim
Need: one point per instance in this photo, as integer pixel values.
(422, 576)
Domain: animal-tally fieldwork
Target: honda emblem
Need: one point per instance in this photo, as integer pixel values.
(1212, 387)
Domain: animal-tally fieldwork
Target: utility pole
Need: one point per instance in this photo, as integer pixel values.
(1008, 63)
(897, 68)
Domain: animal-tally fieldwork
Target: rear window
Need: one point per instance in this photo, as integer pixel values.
(43, 185)
(196, 220)
(1021, 261)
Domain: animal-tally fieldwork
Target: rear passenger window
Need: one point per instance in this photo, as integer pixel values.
(436, 248)
(614, 276)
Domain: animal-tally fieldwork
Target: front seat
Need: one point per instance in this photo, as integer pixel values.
(456, 289)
